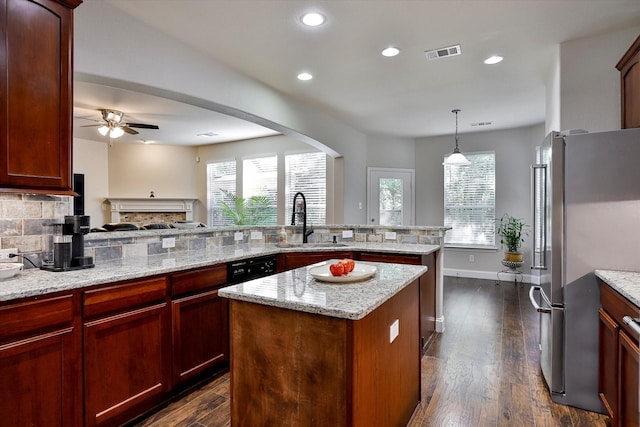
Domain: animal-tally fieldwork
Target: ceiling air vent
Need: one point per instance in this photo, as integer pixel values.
(443, 52)
(482, 124)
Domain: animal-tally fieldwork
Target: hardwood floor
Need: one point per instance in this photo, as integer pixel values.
(484, 370)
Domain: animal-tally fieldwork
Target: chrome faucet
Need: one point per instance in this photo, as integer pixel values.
(301, 211)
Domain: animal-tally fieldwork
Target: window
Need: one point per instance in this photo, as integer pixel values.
(260, 178)
(469, 201)
(307, 173)
(221, 176)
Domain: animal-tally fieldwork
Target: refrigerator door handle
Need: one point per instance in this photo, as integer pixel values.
(534, 303)
(539, 262)
(633, 323)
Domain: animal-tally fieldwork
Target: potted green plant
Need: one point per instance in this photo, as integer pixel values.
(512, 232)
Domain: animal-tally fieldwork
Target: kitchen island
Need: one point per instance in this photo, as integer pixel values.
(305, 352)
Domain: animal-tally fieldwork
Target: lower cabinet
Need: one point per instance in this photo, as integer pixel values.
(618, 359)
(200, 334)
(628, 376)
(40, 379)
(126, 350)
(427, 288)
(289, 261)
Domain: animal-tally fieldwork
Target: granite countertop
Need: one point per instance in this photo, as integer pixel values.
(33, 282)
(627, 283)
(299, 290)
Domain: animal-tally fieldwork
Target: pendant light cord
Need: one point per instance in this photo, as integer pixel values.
(456, 111)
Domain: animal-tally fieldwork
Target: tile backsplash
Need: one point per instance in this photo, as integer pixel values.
(22, 217)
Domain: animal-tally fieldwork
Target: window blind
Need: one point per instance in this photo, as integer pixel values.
(469, 201)
(307, 173)
(220, 176)
(260, 178)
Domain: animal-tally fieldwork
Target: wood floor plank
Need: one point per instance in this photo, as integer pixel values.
(484, 370)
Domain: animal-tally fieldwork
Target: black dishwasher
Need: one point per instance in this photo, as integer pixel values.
(252, 268)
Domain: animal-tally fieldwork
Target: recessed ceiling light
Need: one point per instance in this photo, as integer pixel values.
(207, 134)
(493, 60)
(390, 51)
(304, 76)
(313, 19)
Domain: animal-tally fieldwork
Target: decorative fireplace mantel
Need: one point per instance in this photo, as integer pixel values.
(150, 204)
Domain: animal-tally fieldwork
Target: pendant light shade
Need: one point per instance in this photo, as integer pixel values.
(456, 158)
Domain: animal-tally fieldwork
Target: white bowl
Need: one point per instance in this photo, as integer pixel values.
(9, 269)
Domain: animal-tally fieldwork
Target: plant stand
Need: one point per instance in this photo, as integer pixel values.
(512, 268)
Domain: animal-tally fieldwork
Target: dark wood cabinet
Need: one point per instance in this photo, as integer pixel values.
(628, 381)
(629, 67)
(427, 288)
(40, 363)
(126, 350)
(608, 364)
(200, 322)
(289, 261)
(36, 70)
(618, 359)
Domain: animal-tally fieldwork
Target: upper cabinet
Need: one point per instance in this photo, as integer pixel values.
(629, 68)
(36, 90)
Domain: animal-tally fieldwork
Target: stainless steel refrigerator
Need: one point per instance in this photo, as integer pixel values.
(586, 216)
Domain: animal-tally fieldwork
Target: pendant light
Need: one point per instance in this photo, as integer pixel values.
(456, 158)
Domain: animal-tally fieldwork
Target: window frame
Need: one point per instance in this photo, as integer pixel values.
(470, 244)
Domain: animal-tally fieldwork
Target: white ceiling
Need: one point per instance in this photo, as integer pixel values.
(404, 96)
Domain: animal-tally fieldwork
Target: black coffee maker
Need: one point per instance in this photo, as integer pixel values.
(65, 248)
(77, 226)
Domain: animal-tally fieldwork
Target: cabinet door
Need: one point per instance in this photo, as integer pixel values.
(200, 334)
(126, 364)
(300, 259)
(37, 379)
(628, 355)
(629, 67)
(36, 90)
(608, 364)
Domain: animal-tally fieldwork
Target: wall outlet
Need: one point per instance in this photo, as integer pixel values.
(169, 242)
(390, 235)
(256, 235)
(238, 236)
(472, 258)
(347, 234)
(4, 253)
(394, 330)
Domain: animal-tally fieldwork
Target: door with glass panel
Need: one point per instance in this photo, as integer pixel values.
(391, 196)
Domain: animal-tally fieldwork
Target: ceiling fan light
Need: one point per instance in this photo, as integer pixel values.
(116, 132)
(104, 130)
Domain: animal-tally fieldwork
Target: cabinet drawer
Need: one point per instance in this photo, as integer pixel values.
(22, 319)
(195, 280)
(393, 258)
(617, 307)
(123, 296)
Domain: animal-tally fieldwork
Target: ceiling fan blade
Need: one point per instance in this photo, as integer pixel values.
(142, 126)
(90, 126)
(128, 130)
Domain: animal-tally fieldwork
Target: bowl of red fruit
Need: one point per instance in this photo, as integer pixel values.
(342, 271)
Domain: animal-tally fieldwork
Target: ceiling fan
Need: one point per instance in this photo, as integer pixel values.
(113, 126)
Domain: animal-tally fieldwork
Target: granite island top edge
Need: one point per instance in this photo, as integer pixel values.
(627, 283)
(298, 290)
(34, 282)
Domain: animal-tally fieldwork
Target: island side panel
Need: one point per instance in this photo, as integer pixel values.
(288, 368)
(386, 376)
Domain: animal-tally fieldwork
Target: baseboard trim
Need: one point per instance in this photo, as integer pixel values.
(488, 275)
(440, 324)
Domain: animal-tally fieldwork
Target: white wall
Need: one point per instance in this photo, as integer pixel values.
(137, 169)
(589, 81)
(514, 149)
(552, 95)
(390, 152)
(91, 158)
